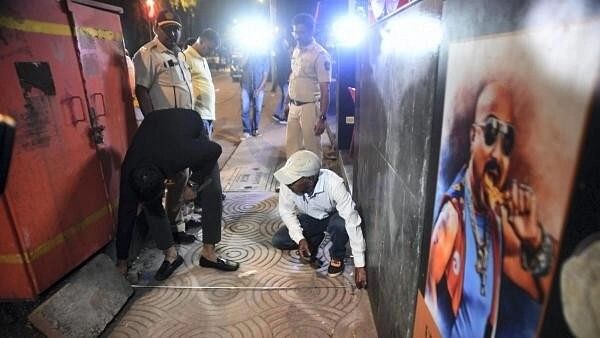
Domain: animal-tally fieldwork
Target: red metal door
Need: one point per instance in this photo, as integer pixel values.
(102, 59)
(54, 213)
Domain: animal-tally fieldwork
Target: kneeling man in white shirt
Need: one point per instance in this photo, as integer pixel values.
(314, 200)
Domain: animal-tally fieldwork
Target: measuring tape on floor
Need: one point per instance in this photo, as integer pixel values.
(248, 288)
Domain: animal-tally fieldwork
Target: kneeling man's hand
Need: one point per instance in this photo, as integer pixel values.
(360, 277)
(303, 248)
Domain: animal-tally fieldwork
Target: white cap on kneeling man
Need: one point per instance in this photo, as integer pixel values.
(302, 163)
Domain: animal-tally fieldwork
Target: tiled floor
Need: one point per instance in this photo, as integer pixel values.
(297, 300)
(272, 294)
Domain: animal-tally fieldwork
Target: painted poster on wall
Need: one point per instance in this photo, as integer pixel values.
(515, 112)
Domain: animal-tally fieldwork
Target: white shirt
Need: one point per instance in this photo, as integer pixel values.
(204, 89)
(311, 65)
(329, 194)
(165, 75)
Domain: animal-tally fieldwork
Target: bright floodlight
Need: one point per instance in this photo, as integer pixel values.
(411, 35)
(349, 30)
(253, 34)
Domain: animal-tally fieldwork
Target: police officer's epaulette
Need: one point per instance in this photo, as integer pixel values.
(151, 44)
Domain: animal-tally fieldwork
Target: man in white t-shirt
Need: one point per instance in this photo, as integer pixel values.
(209, 201)
(204, 89)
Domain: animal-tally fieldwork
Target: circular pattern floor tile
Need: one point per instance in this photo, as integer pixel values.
(300, 310)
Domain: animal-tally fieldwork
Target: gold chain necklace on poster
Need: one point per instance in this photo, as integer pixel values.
(481, 241)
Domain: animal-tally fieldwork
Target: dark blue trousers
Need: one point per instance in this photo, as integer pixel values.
(314, 231)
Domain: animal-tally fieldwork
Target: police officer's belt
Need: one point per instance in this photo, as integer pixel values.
(299, 103)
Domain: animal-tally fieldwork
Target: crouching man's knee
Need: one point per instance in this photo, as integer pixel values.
(281, 240)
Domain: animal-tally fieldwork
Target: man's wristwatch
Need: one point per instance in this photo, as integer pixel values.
(538, 261)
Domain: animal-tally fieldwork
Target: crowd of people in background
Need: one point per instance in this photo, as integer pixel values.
(173, 148)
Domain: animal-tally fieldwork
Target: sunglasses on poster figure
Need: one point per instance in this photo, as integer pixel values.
(7, 138)
(492, 127)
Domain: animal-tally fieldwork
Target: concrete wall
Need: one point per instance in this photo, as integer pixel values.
(393, 163)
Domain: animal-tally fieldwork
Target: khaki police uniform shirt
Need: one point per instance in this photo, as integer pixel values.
(204, 89)
(165, 75)
(310, 66)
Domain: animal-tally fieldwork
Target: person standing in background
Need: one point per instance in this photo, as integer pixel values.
(284, 68)
(255, 69)
(203, 87)
(210, 200)
(309, 89)
(162, 78)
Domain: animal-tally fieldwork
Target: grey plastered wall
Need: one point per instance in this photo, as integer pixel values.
(393, 164)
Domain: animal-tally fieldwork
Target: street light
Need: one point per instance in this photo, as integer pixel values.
(349, 30)
(150, 9)
(253, 34)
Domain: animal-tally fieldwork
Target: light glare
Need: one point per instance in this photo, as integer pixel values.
(417, 34)
(349, 30)
(253, 35)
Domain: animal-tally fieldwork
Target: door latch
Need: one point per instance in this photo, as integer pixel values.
(97, 130)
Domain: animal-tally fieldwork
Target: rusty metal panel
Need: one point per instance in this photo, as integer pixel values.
(54, 212)
(99, 42)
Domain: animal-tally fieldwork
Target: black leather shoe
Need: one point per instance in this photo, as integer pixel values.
(166, 269)
(183, 238)
(220, 264)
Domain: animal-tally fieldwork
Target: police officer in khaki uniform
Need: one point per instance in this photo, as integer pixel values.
(309, 89)
(163, 81)
(162, 77)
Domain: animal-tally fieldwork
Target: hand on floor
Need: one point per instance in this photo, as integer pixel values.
(360, 277)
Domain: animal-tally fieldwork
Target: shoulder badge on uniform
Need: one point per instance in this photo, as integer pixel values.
(327, 65)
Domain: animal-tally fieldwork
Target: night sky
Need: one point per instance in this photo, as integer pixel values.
(217, 14)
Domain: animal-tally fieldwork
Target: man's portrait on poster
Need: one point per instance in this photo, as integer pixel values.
(511, 135)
